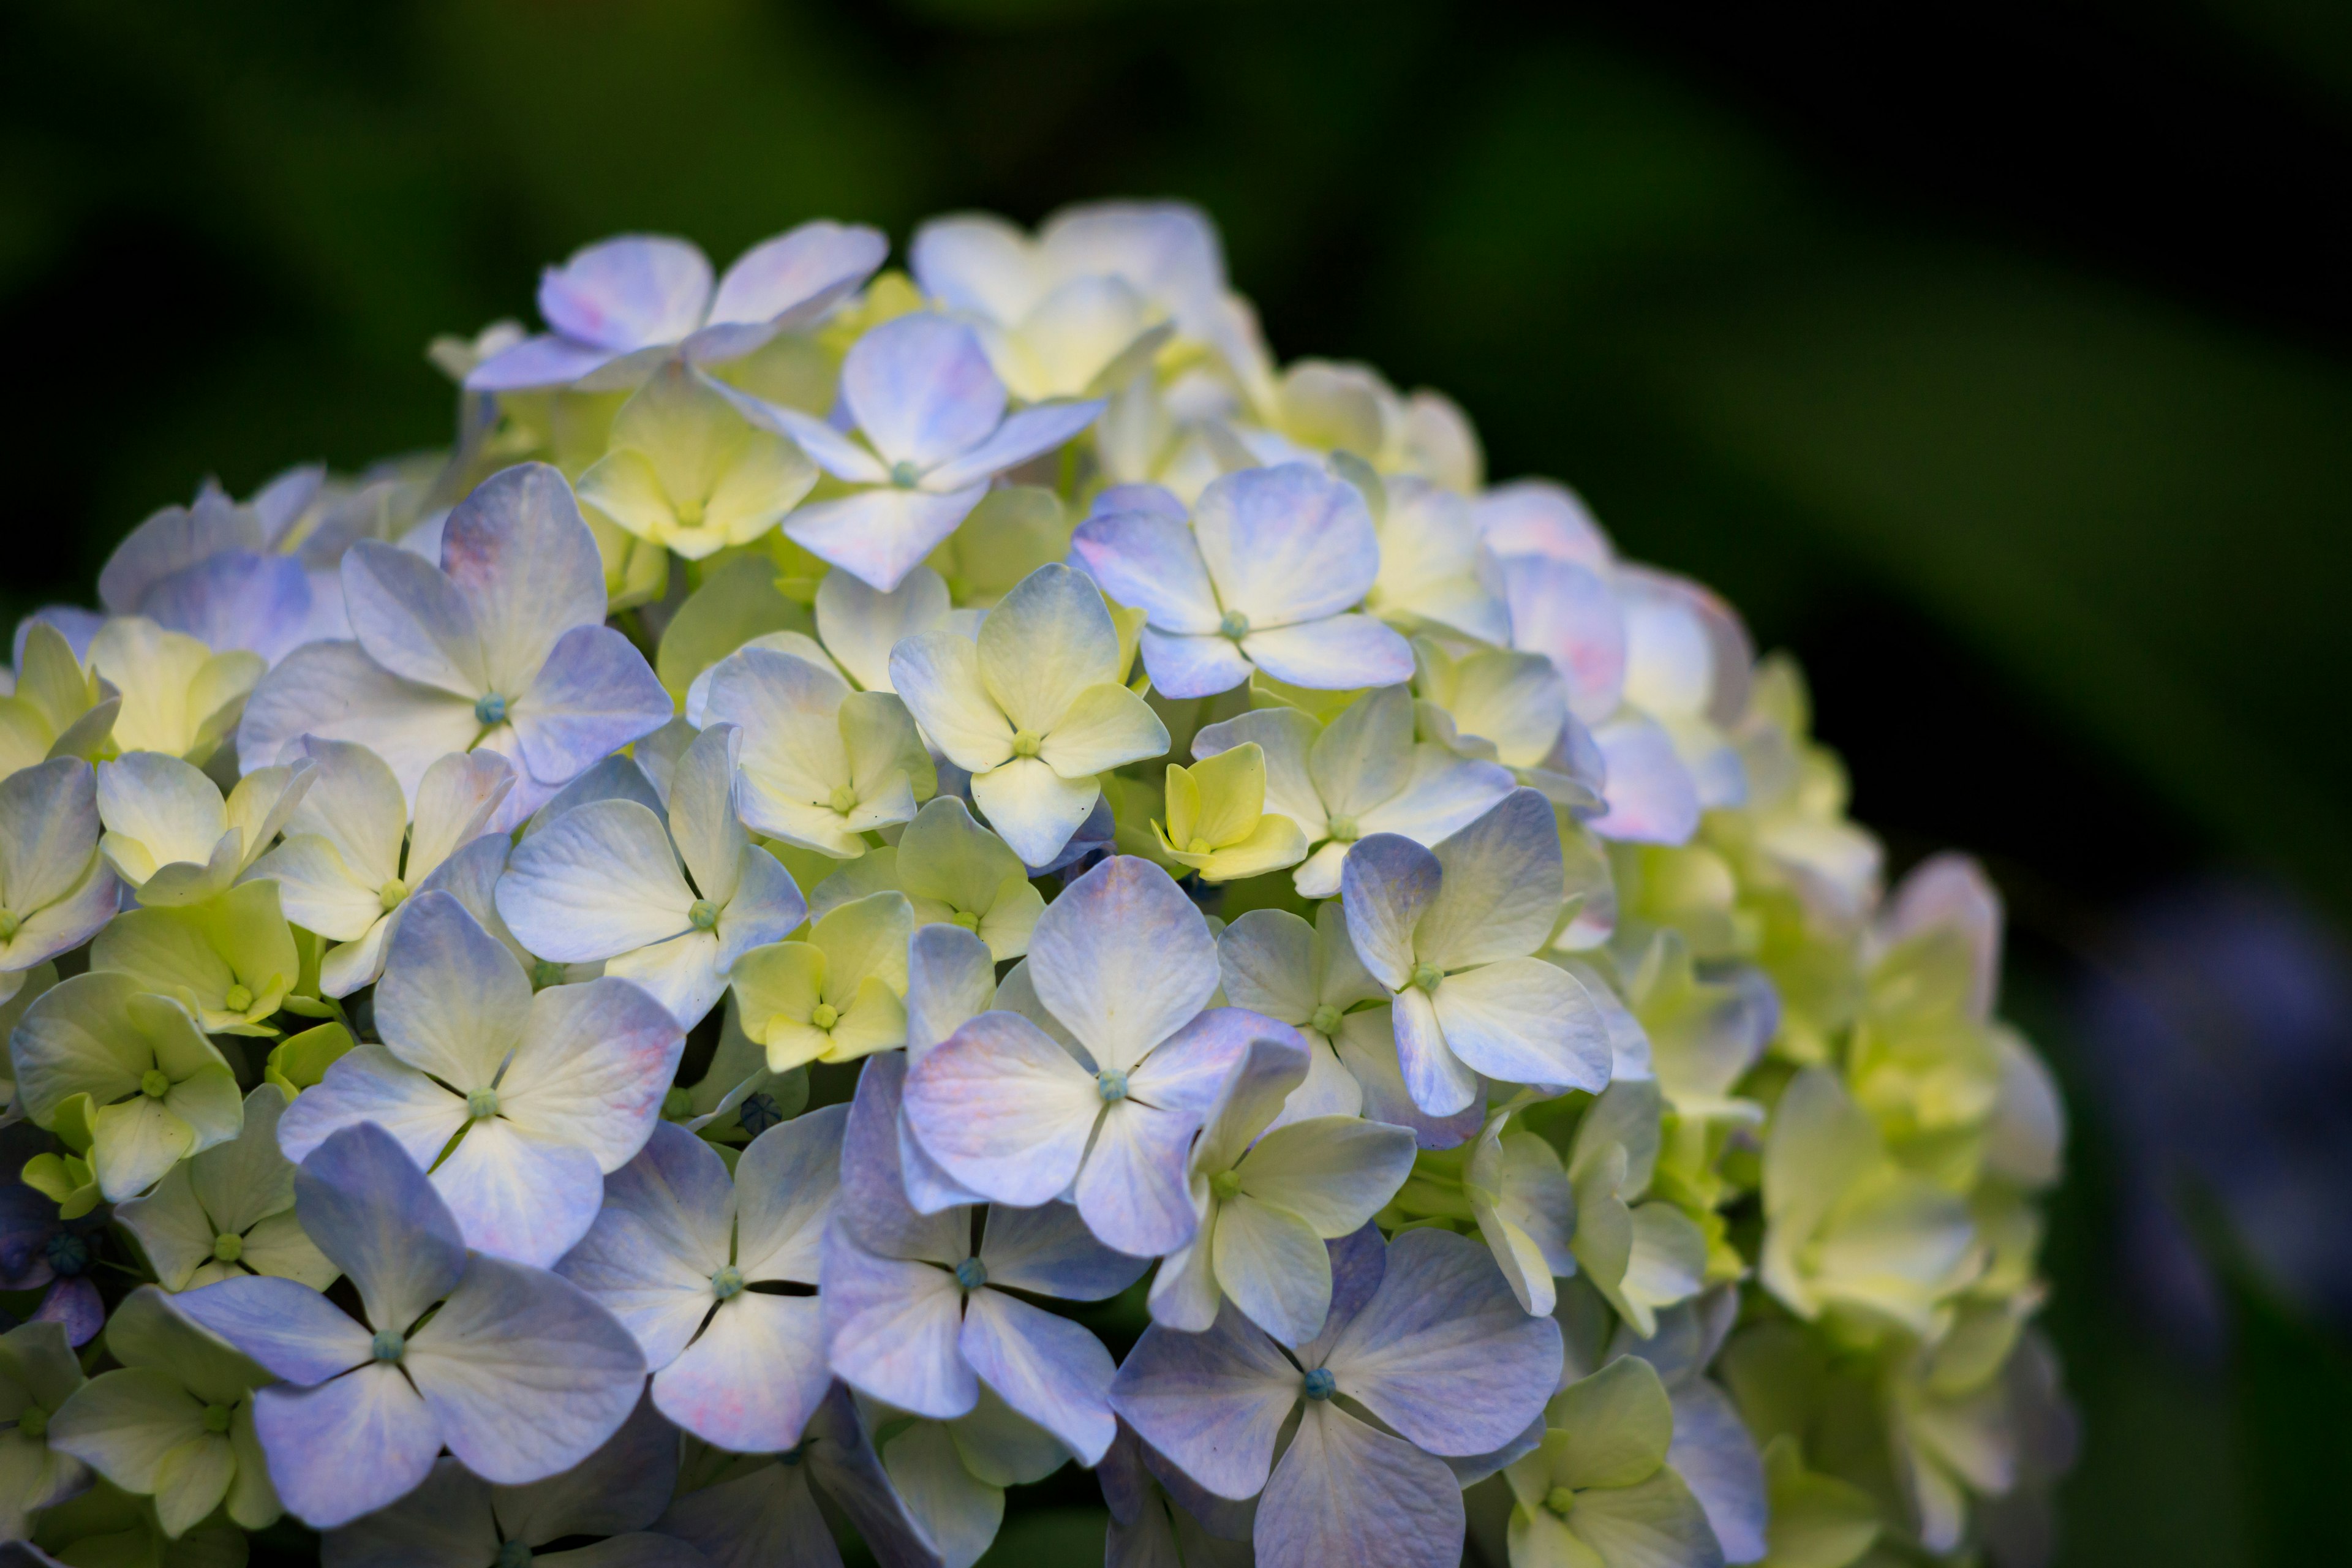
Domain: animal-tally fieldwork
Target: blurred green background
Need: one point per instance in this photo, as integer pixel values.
(1995, 358)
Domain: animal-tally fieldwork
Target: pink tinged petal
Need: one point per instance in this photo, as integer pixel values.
(593, 1065)
(596, 695)
(1386, 885)
(453, 1000)
(517, 1195)
(527, 566)
(627, 292)
(892, 1326)
(1346, 1493)
(524, 1373)
(1213, 1402)
(1287, 545)
(1048, 1250)
(371, 1210)
(290, 1330)
(1437, 1080)
(831, 450)
(346, 1447)
(333, 690)
(874, 1208)
(370, 1086)
(412, 620)
(1003, 1110)
(1149, 561)
(785, 1187)
(748, 1384)
(1651, 795)
(1192, 665)
(799, 275)
(1336, 654)
(880, 535)
(1568, 614)
(549, 359)
(598, 881)
(1132, 1192)
(1032, 808)
(1502, 886)
(1049, 1369)
(1525, 1021)
(657, 1290)
(921, 390)
(1030, 433)
(1443, 1352)
(1538, 518)
(1123, 959)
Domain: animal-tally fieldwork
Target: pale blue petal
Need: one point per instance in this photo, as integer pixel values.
(842, 1461)
(333, 690)
(453, 1001)
(786, 1184)
(1651, 795)
(1443, 1352)
(444, 1523)
(1525, 1021)
(618, 777)
(1502, 886)
(1388, 883)
(880, 535)
(1123, 959)
(347, 1447)
(290, 1330)
(874, 1207)
(627, 292)
(767, 907)
(1133, 1191)
(1030, 433)
(1048, 1368)
(892, 1326)
(950, 979)
(859, 627)
(1003, 1110)
(517, 1195)
(1192, 665)
(525, 1376)
(622, 1487)
(1149, 561)
(527, 566)
(596, 883)
(596, 695)
(1337, 652)
(370, 1085)
(1565, 612)
(798, 275)
(374, 1211)
(1714, 1456)
(170, 540)
(1346, 1493)
(1470, 1470)
(921, 390)
(1048, 1250)
(831, 450)
(1190, 1068)
(412, 620)
(758, 1520)
(1360, 1262)
(748, 1384)
(666, 1227)
(239, 599)
(1213, 1402)
(549, 359)
(1288, 545)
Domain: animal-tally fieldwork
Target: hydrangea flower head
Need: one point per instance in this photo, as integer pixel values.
(821, 763)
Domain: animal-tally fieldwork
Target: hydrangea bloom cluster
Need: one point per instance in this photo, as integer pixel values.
(884, 882)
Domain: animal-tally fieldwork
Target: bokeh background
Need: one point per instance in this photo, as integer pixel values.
(1996, 358)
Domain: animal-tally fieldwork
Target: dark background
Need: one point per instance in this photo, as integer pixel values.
(1996, 358)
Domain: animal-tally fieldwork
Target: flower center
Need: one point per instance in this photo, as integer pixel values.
(703, 915)
(387, 1345)
(1226, 1185)
(9, 925)
(1326, 1020)
(491, 710)
(971, 1273)
(824, 1015)
(389, 897)
(216, 1418)
(512, 1555)
(544, 973)
(482, 1104)
(903, 474)
(1342, 829)
(1111, 1084)
(238, 998)
(843, 799)
(1233, 625)
(1427, 976)
(728, 1283)
(688, 509)
(758, 1113)
(33, 1422)
(228, 1246)
(1200, 846)
(1559, 1500)
(154, 1084)
(966, 918)
(1026, 743)
(1319, 1384)
(67, 1252)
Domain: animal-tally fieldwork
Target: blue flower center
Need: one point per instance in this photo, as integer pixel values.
(903, 474)
(1111, 1084)
(490, 712)
(482, 1104)
(67, 1254)
(758, 1113)
(387, 1345)
(971, 1273)
(1235, 625)
(728, 1283)
(1319, 1384)
(702, 914)
(1427, 976)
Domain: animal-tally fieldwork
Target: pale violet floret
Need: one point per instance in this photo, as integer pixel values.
(456, 1520)
(502, 646)
(229, 1211)
(1032, 710)
(820, 763)
(668, 905)
(1450, 932)
(221, 571)
(919, 1308)
(1363, 773)
(353, 855)
(619, 307)
(1309, 977)
(514, 1370)
(1269, 1198)
(950, 981)
(1267, 576)
(676, 1253)
(920, 392)
(56, 887)
(171, 836)
(1125, 964)
(856, 627)
(1424, 1334)
(518, 1104)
